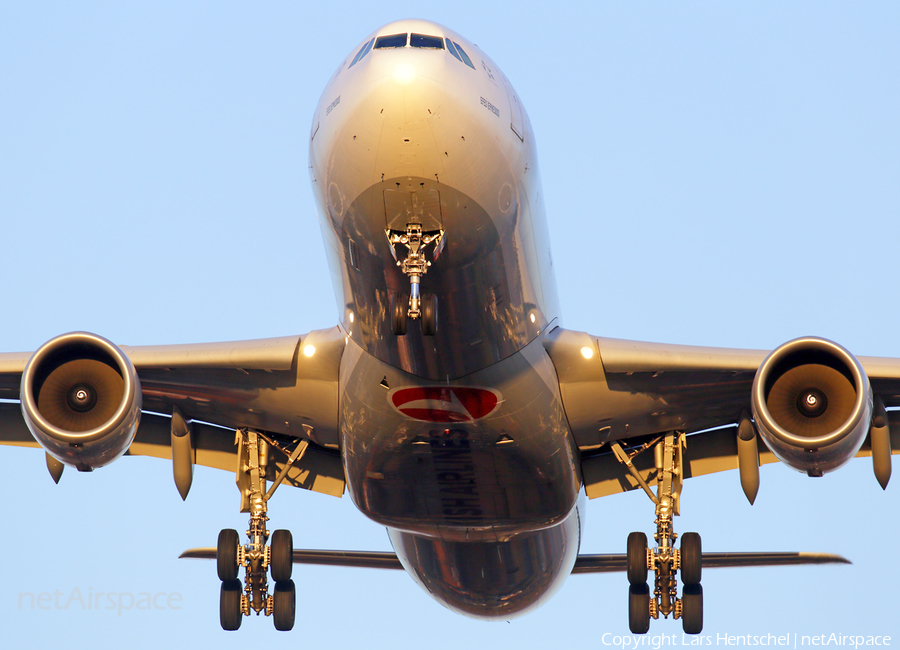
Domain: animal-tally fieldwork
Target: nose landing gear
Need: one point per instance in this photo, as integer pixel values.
(256, 557)
(665, 560)
(415, 305)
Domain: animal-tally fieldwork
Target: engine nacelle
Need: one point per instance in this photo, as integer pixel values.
(812, 404)
(81, 400)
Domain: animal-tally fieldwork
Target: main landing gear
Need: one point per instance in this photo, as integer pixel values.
(256, 557)
(665, 560)
(414, 265)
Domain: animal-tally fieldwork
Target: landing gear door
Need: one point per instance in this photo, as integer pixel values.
(412, 203)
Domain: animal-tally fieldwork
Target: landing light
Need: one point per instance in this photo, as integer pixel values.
(404, 73)
(587, 352)
(309, 350)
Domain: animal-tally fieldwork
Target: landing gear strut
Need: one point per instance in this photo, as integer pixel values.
(414, 265)
(256, 557)
(665, 560)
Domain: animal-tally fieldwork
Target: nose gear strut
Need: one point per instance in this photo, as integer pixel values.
(664, 560)
(257, 557)
(414, 265)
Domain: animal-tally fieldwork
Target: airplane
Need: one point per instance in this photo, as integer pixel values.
(448, 402)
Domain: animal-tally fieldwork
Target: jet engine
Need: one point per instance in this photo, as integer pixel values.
(81, 400)
(812, 404)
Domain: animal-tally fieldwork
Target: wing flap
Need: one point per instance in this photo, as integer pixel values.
(12, 427)
(319, 470)
(706, 452)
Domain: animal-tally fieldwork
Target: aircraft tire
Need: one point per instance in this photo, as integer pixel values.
(691, 559)
(429, 315)
(284, 605)
(692, 609)
(639, 608)
(230, 614)
(399, 307)
(226, 555)
(282, 563)
(636, 558)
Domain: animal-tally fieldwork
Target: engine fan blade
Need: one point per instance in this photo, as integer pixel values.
(783, 397)
(59, 406)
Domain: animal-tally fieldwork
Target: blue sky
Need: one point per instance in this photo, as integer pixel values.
(714, 173)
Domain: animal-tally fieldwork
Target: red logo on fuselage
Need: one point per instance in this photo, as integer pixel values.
(445, 403)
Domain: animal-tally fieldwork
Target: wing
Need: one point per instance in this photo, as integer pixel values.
(618, 390)
(286, 387)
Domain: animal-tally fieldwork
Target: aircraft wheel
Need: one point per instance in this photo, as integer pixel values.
(636, 557)
(230, 614)
(282, 562)
(227, 554)
(399, 311)
(639, 608)
(691, 559)
(429, 315)
(692, 609)
(284, 605)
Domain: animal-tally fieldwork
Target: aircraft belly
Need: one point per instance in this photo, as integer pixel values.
(485, 457)
(492, 580)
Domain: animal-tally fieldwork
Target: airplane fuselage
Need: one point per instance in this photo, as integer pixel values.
(457, 442)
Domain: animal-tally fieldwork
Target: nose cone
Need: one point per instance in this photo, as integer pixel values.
(404, 105)
(406, 92)
(389, 117)
(404, 85)
(414, 26)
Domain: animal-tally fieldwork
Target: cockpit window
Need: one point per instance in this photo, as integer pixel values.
(362, 52)
(394, 40)
(452, 49)
(462, 53)
(422, 40)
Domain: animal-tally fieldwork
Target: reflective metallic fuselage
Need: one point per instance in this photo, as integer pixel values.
(475, 474)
